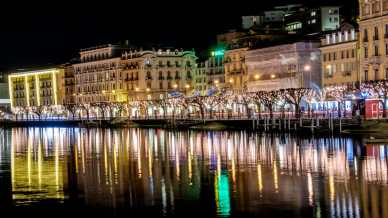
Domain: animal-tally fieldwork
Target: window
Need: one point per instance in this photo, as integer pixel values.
(386, 31)
(386, 49)
(334, 56)
(366, 52)
(376, 50)
(353, 53)
(376, 74)
(366, 75)
(386, 73)
(376, 36)
(365, 35)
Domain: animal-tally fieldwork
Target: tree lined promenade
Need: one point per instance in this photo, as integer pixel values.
(294, 103)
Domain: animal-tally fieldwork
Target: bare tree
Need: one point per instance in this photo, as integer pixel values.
(295, 96)
(38, 110)
(268, 99)
(72, 108)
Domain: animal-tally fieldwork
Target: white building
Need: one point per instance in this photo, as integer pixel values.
(294, 65)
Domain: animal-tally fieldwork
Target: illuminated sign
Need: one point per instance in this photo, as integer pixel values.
(220, 52)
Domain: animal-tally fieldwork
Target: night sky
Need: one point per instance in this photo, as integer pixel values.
(40, 34)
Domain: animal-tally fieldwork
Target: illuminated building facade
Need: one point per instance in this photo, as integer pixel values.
(294, 65)
(69, 84)
(200, 79)
(235, 68)
(4, 92)
(98, 76)
(35, 88)
(339, 56)
(373, 27)
(214, 70)
(151, 74)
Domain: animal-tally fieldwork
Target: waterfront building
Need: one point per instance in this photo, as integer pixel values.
(5, 102)
(295, 65)
(158, 74)
(69, 84)
(40, 87)
(98, 76)
(339, 56)
(373, 38)
(200, 79)
(235, 68)
(215, 69)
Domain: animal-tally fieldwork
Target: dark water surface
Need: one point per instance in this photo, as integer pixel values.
(150, 172)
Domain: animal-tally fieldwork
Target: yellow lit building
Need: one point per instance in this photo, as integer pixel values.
(42, 87)
(339, 58)
(373, 39)
(98, 76)
(152, 74)
(235, 68)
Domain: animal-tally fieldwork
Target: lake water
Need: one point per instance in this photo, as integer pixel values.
(154, 172)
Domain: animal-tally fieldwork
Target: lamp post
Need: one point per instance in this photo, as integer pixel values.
(307, 68)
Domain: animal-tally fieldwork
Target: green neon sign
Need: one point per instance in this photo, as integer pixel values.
(218, 52)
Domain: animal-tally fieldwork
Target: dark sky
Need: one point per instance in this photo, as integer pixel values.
(41, 33)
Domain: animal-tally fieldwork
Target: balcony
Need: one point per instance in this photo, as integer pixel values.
(148, 78)
(177, 77)
(376, 37)
(169, 77)
(365, 39)
(161, 77)
(375, 60)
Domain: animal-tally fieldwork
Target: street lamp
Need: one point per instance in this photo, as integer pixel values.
(307, 68)
(175, 86)
(257, 76)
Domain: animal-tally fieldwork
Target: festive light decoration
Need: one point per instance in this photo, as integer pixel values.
(219, 104)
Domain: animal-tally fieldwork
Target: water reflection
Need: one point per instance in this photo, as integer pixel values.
(203, 173)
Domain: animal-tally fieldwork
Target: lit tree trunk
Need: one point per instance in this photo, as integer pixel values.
(297, 111)
(339, 108)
